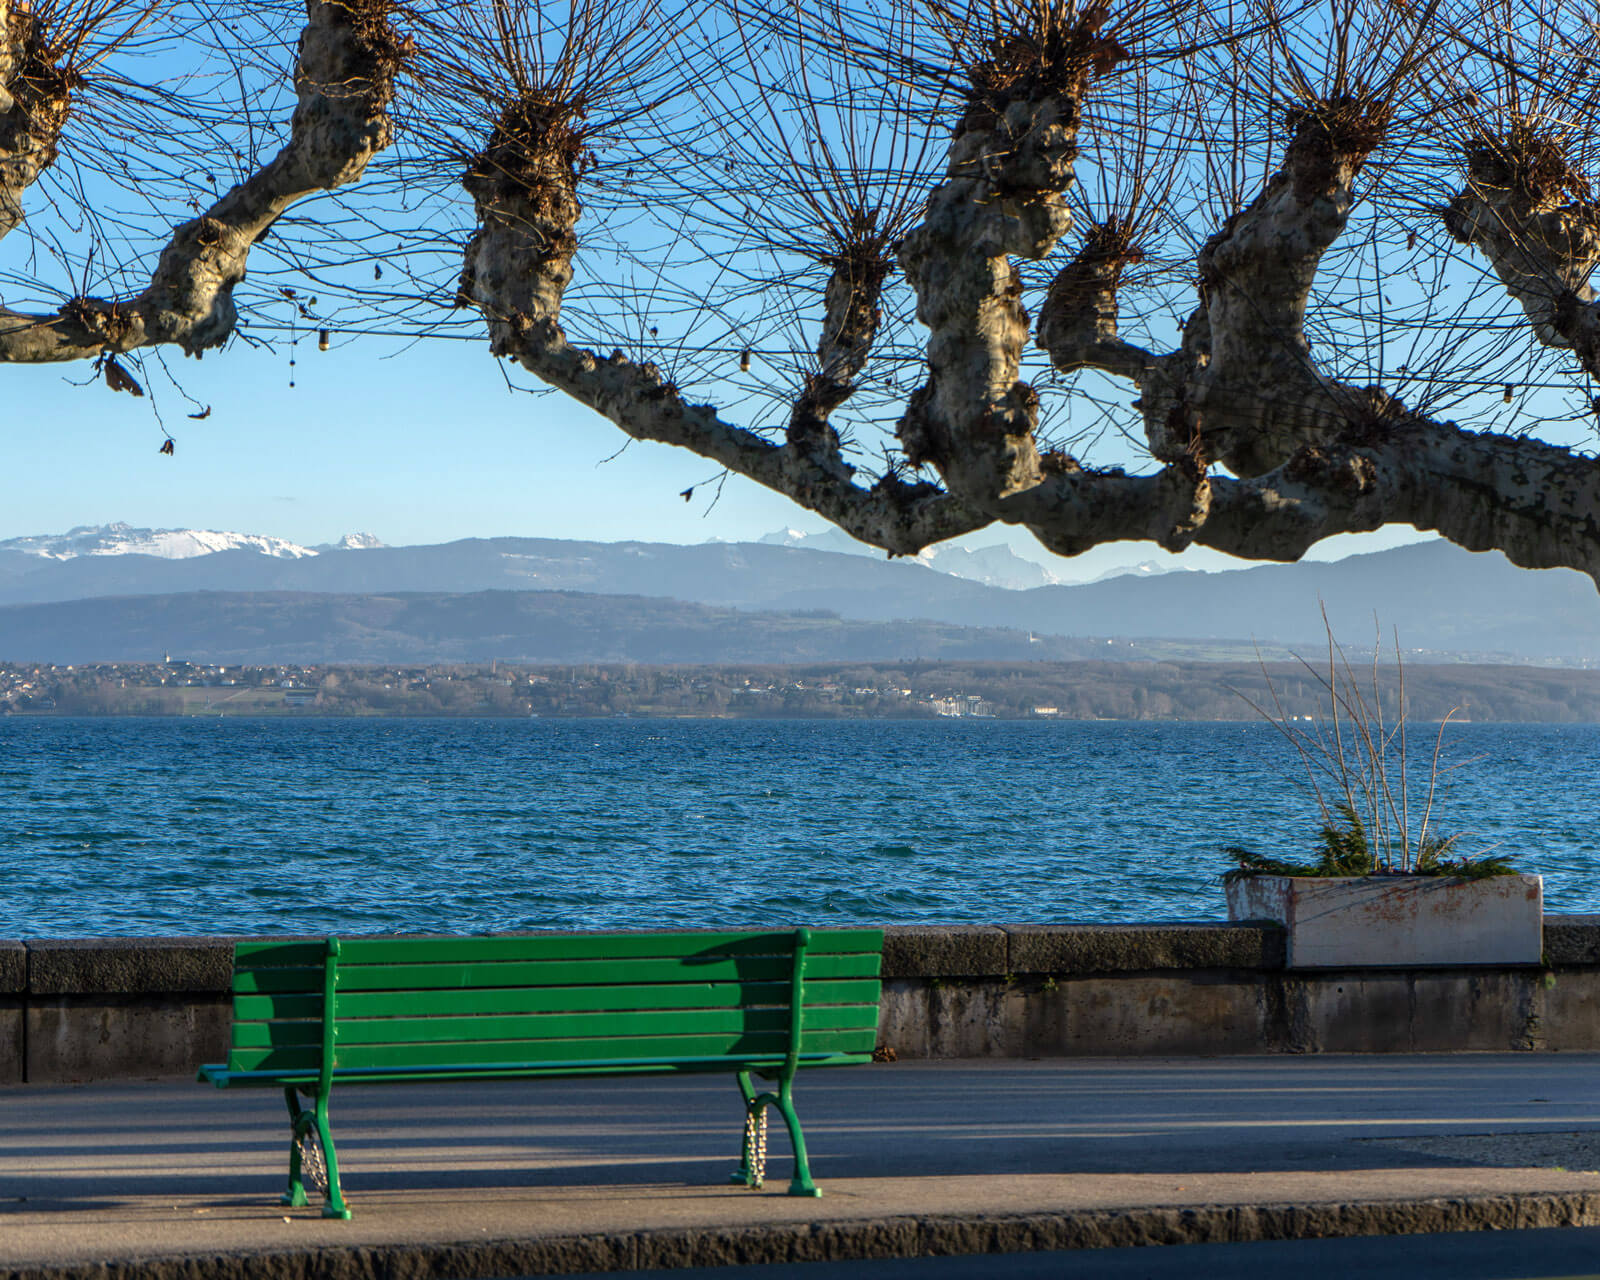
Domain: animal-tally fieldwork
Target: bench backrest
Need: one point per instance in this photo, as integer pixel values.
(579, 1001)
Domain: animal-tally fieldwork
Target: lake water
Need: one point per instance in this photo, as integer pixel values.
(184, 826)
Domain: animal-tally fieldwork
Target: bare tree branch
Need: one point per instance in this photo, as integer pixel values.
(349, 54)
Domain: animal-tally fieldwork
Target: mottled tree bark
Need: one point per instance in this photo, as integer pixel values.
(34, 98)
(517, 267)
(348, 57)
(1541, 242)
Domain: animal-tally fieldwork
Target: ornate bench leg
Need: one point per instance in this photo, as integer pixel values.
(335, 1206)
(751, 1170)
(302, 1123)
(801, 1184)
(295, 1196)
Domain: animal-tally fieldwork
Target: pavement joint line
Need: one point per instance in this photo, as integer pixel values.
(837, 1240)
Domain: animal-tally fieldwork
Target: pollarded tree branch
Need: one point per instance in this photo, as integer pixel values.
(899, 516)
(349, 55)
(1259, 398)
(1526, 210)
(517, 267)
(974, 419)
(851, 318)
(1537, 503)
(35, 96)
(1078, 322)
(1312, 456)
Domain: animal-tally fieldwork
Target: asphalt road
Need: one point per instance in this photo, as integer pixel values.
(914, 1157)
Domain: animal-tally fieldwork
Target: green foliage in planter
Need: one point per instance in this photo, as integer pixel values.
(1356, 762)
(1346, 851)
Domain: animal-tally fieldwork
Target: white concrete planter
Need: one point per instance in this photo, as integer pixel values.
(1398, 921)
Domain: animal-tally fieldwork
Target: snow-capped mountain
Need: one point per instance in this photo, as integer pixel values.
(1439, 597)
(994, 566)
(1144, 569)
(354, 542)
(168, 544)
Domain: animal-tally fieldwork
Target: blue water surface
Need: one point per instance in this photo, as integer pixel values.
(198, 826)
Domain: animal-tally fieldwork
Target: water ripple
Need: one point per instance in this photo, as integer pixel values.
(237, 826)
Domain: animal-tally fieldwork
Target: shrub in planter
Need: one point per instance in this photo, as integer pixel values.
(1383, 888)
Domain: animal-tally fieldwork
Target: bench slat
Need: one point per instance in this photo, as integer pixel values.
(551, 1026)
(275, 980)
(761, 1044)
(577, 973)
(273, 952)
(601, 946)
(514, 1070)
(766, 1045)
(271, 1008)
(688, 995)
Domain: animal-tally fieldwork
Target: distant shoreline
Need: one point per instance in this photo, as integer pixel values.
(1215, 692)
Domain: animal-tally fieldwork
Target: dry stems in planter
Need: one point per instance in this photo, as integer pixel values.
(1384, 888)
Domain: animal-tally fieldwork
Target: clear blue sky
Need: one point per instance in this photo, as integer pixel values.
(415, 446)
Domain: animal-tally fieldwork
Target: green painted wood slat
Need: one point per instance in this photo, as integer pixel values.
(576, 973)
(602, 946)
(516, 1071)
(555, 1052)
(766, 1044)
(724, 995)
(720, 995)
(553, 1026)
(277, 981)
(268, 954)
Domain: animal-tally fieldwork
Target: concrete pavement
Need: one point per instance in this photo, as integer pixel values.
(167, 1179)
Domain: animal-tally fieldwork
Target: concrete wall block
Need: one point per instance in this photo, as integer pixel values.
(129, 966)
(967, 1020)
(903, 1017)
(13, 966)
(1112, 948)
(1571, 940)
(1156, 1014)
(11, 1022)
(1487, 1012)
(73, 1038)
(944, 951)
(1569, 1010)
(920, 1019)
(1349, 1013)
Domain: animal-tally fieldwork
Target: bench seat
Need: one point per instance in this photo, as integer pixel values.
(309, 1015)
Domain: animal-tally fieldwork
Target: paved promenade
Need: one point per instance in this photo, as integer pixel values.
(167, 1179)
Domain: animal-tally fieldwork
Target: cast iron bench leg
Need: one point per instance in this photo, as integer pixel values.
(295, 1196)
(301, 1120)
(801, 1184)
(754, 1104)
(335, 1208)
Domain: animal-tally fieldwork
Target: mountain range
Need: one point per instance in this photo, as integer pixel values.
(1439, 598)
(994, 566)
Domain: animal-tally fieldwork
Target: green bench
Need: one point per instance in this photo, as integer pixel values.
(310, 1015)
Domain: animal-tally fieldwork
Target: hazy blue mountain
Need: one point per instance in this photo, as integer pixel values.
(1439, 597)
(514, 626)
(742, 575)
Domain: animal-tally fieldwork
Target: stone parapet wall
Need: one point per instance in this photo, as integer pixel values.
(995, 951)
(98, 1008)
